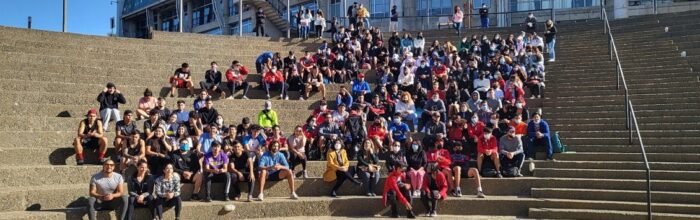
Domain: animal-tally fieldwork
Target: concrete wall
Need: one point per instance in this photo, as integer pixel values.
(666, 7)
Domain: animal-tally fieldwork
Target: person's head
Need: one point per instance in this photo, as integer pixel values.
(329, 118)
(172, 118)
(154, 114)
(181, 105)
(338, 145)
(483, 5)
(108, 166)
(341, 107)
(311, 121)
(457, 9)
(274, 147)
(406, 97)
(457, 147)
(203, 94)
(135, 136)
(219, 120)
(215, 148)
(267, 105)
(147, 93)
(213, 65)
(536, 117)
(213, 130)
(367, 145)
(511, 131)
(255, 130)
(158, 132)
(474, 118)
(396, 147)
(161, 102)
(209, 104)
(235, 64)
(435, 117)
(141, 168)
(168, 170)
(185, 67)
(111, 88)
(494, 119)
(185, 145)
(397, 118)
(361, 77)
(530, 15)
(518, 118)
(232, 130)
(487, 133)
(128, 115)
(416, 146)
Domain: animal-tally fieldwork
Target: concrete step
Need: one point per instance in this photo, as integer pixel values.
(635, 148)
(616, 100)
(634, 95)
(26, 215)
(689, 106)
(617, 195)
(617, 174)
(621, 126)
(563, 213)
(622, 133)
(619, 165)
(618, 141)
(621, 113)
(621, 120)
(655, 157)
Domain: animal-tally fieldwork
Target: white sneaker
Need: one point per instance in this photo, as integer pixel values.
(281, 97)
(286, 98)
(246, 97)
(261, 197)
(301, 98)
(531, 166)
(230, 97)
(305, 174)
(294, 196)
(268, 97)
(550, 60)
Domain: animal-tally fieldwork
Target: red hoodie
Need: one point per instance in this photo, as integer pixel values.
(490, 144)
(440, 181)
(231, 77)
(441, 156)
(391, 183)
(475, 131)
(272, 78)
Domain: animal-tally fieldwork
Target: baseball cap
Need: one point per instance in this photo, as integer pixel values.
(91, 111)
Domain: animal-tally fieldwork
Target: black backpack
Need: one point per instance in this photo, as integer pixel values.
(510, 170)
(488, 169)
(355, 127)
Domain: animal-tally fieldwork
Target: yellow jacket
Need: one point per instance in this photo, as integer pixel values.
(332, 164)
(362, 12)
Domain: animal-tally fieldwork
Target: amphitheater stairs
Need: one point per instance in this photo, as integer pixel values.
(49, 74)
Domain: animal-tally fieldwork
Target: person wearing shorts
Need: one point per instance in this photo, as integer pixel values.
(134, 151)
(273, 166)
(181, 79)
(90, 135)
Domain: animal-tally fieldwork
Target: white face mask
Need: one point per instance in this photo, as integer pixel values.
(494, 121)
(475, 120)
(397, 121)
(536, 120)
(436, 99)
(422, 65)
(338, 146)
(487, 136)
(519, 105)
(414, 147)
(517, 121)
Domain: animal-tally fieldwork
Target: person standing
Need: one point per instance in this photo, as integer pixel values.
(530, 23)
(394, 22)
(457, 20)
(109, 100)
(319, 24)
(260, 23)
(107, 192)
(484, 15)
(550, 36)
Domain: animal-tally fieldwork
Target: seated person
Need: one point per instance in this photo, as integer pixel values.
(158, 150)
(242, 170)
(436, 154)
(314, 82)
(398, 131)
(236, 77)
(123, 129)
(538, 136)
(107, 191)
(377, 134)
(134, 151)
(216, 168)
(267, 118)
(338, 168)
(212, 80)
(140, 190)
(146, 103)
(360, 87)
(460, 163)
(511, 153)
(417, 160)
(90, 135)
(487, 146)
(273, 78)
(397, 191)
(407, 109)
(181, 79)
(186, 164)
(434, 189)
(297, 143)
(273, 166)
(328, 132)
(167, 192)
(154, 121)
(368, 167)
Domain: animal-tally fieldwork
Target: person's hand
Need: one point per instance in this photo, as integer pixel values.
(117, 91)
(169, 195)
(509, 155)
(476, 140)
(240, 176)
(538, 134)
(409, 207)
(487, 152)
(107, 197)
(186, 174)
(105, 89)
(251, 177)
(438, 196)
(344, 169)
(140, 199)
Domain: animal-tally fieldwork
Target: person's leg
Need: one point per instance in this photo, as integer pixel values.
(393, 202)
(457, 170)
(106, 116)
(548, 146)
(227, 186)
(479, 161)
(340, 178)
(207, 186)
(178, 205)
(426, 202)
(102, 142)
(448, 176)
(262, 178)
(197, 182)
(203, 85)
(285, 86)
(130, 209)
(530, 148)
(413, 175)
(158, 206)
(92, 208)
(190, 87)
(496, 161)
(365, 176)
(234, 182)
(519, 159)
(420, 174)
(123, 205)
(173, 87)
(473, 172)
(289, 176)
(267, 89)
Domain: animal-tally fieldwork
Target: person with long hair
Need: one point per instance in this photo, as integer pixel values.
(167, 192)
(457, 18)
(368, 167)
(140, 190)
(296, 144)
(338, 167)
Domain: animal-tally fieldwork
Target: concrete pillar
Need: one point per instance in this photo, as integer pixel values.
(620, 9)
(159, 22)
(180, 16)
(65, 15)
(226, 30)
(188, 18)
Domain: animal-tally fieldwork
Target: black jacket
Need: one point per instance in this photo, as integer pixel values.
(110, 100)
(137, 188)
(208, 115)
(213, 77)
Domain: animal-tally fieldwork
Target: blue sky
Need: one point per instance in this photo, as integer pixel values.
(84, 16)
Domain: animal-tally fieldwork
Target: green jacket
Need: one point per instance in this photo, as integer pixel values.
(267, 120)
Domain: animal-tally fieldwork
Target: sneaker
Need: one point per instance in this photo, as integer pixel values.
(333, 194)
(301, 98)
(530, 159)
(480, 194)
(281, 97)
(531, 166)
(305, 174)
(194, 197)
(246, 97)
(434, 214)
(230, 97)
(261, 197)
(369, 194)
(519, 175)
(410, 214)
(226, 199)
(268, 96)
(458, 193)
(551, 160)
(429, 214)
(550, 60)
(250, 198)
(499, 175)
(286, 98)
(373, 194)
(294, 196)
(80, 161)
(208, 199)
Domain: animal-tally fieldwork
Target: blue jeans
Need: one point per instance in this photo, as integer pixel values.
(485, 22)
(550, 48)
(458, 27)
(533, 143)
(304, 32)
(366, 21)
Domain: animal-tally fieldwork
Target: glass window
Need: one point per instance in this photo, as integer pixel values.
(437, 7)
(215, 31)
(380, 8)
(134, 5)
(247, 27)
(336, 9)
(526, 5)
(196, 18)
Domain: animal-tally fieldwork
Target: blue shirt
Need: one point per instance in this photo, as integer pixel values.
(268, 160)
(255, 143)
(205, 141)
(264, 56)
(399, 132)
(360, 86)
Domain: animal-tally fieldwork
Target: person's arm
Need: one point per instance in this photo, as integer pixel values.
(530, 130)
(176, 179)
(520, 146)
(142, 146)
(443, 183)
(100, 130)
(101, 97)
(81, 127)
(149, 187)
(275, 120)
(131, 184)
(93, 189)
(158, 188)
(120, 97)
(120, 190)
(544, 129)
(331, 160)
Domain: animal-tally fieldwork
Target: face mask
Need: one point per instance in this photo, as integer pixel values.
(502, 61)
(537, 121)
(397, 121)
(436, 99)
(485, 108)
(338, 146)
(518, 105)
(517, 121)
(494, 121)
(422, 65)
(220, 121)
(475, 120)
(185, 147)
(414, 147)
(529, 53)
(487, 136)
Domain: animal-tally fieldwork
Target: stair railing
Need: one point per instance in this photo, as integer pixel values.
(630, 117)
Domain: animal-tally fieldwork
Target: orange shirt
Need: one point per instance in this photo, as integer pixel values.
(520, 129)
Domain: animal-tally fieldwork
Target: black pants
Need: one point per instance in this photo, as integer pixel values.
(393, 201)
(223, 177)
(295, 160)
(535, 89)
(233, 87)
(341, 176)
(236, 181)
(148, 200)
(430, 204)
(118, 203)
(162, 202)
(259, 29)
(319, 31)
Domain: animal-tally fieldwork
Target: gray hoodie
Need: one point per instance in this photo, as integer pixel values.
(510, 145)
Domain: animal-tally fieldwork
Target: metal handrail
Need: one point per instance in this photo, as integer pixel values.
(630, 117)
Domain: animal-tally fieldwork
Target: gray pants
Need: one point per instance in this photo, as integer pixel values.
(107, 115)
(121, 204)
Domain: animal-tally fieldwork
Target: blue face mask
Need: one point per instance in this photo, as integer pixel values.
(185, 147)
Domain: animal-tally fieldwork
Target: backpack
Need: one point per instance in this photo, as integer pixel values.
(355, 127)
(556, 143)
(488, 169)
(510, 170)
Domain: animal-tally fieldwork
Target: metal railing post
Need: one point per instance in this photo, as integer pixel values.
(649, 217)
(618, 75)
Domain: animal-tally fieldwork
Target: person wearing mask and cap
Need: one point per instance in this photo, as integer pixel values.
(360, 87)
(538, 136)
(267, 117)
(511, 150)
(434, 189)
(338, 168)
(273, 78)
(90, 135)
(435, 129)
(109, 100)
(260, 23)
(397, 191)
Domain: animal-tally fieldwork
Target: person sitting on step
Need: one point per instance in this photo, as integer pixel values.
(273, 79)
(242, 170)
(434, 189)
(236, 77)
(487, 146)
(273, 166)
(90, 135)
(538, 136)
(186, 164)
(181, 79)
(107, 191)
(396, 191)
(140, 186)
(146, 104)
(215, 167)
(368, 167)
(212, 80)
(166, 192)
(338, 167)
(511, 153)
(133, 151)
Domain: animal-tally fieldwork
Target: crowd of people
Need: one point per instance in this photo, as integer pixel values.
(433, 114)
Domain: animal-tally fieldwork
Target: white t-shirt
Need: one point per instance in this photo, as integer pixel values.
(104, 184)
